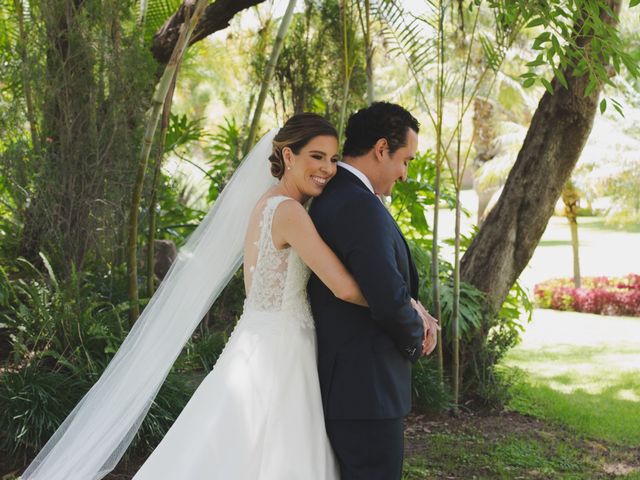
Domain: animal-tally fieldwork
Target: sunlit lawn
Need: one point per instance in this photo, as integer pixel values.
(578, 387)
(582, 371)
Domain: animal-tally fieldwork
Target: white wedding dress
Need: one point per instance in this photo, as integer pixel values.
(258, 414)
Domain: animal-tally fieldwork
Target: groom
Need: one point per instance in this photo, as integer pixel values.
(365, 354)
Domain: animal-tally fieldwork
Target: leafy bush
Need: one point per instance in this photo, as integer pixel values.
(485, 336)
(62, 326)
(171, 399)
(61, 337)
(202, 353)
(429, 394)
(34, 402)
(600, 295)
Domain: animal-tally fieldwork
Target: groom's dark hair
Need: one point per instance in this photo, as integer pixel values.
(378, 120)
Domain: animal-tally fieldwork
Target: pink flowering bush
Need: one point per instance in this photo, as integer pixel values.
(601, 295)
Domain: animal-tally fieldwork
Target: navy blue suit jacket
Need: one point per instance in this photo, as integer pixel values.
(365, 354)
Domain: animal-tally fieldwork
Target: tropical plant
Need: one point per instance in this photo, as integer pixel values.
(158, 101)
(268, 74)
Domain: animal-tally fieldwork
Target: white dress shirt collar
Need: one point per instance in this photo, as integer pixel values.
(363, 178)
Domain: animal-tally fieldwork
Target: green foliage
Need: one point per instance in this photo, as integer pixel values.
(470, 314)
(405, 34)
(202, 353)
(411, 199)
(157, 12)
(62, 334)
(34, 402)
(171, 399)
(315, 38)
(224, 155)
(176, 219)
(64, 326)
(182, 131)
(429, 394)
(485, 337)
(72, 127)
(562, 31)
(300, 81)
(496, 336)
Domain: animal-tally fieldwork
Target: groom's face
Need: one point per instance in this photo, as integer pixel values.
(393, 167)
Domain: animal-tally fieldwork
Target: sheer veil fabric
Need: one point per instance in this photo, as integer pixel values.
(95, 435)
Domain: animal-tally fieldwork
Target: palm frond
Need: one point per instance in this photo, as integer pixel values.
(493, 174)
(153, 14)
(409, 36)
(9, 33)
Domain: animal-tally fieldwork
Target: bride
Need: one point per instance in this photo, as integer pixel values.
(258, 414)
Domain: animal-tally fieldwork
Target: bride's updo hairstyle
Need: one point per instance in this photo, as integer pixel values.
(295, 134)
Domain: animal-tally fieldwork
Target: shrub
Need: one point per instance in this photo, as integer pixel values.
(429, 394)
(485, 337)
(34, 402)
(62, 336)
(600, 295)
(202, 353)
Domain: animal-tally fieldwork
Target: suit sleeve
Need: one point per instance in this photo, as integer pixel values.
(368, 250)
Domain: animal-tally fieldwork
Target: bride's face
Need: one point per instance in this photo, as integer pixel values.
(312, 168)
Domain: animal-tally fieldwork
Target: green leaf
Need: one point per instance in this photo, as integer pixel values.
(537, 62)
(633, 3)
(540, 39)
(536, 22)
(528, 82)
(547, 85)
(591, 86)
(619, 110)
(603, 105)
(561, 78)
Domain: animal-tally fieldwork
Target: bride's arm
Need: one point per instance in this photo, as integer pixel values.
(293, 226)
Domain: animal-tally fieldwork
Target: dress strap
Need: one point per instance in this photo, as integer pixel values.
(266, 223)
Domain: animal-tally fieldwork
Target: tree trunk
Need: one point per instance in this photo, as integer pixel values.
(58, 220)
(155, 185)
(365, 23)
(435, 255)
(22, 43)
(347, 70)
(484, 137)
(571, 200)
(508, 237)
(216, 17)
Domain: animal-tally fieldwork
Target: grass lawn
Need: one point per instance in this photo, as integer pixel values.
(575, 413)
(582, 371)
(510, 446)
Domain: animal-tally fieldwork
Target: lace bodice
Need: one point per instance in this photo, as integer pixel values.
(279, 277)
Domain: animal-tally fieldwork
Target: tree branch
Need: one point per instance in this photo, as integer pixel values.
(216, 17)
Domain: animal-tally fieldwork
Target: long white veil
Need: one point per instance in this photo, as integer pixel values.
(95, 435)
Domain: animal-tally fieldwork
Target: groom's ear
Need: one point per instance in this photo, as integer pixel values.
(379, 147)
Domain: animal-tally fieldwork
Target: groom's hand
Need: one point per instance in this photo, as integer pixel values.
(431, 327)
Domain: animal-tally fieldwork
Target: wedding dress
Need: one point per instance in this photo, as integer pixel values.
(258, 414)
